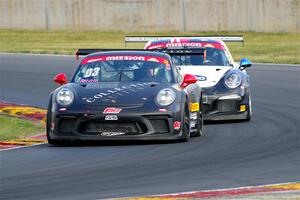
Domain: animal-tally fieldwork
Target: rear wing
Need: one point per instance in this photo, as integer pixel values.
(173, 51)
(144, 39)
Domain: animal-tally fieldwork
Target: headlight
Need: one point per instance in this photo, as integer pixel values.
(165, 97)
(64, 97)
(233, 80)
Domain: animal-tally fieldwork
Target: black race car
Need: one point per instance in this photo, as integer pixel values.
(124, 95)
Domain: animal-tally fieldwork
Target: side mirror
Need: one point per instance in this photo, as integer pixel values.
(244, 63)
(60, 79)
(187, 80)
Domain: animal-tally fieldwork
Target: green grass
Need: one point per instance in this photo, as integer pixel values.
(12, 128)
(259, 47)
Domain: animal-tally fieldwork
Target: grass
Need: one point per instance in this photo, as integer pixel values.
(259, 47)
(12, 128)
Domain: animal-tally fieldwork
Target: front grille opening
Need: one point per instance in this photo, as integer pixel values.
(227, 106)
(160, 125)
(129, 128)
(66, 126)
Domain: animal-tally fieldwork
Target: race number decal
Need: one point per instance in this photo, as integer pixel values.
(91, 72)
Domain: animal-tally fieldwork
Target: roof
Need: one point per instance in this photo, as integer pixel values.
(128, 52)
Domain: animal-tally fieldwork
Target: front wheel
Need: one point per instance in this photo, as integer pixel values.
(186, 125)
(199, 131)
(48, 128)
(249, 112)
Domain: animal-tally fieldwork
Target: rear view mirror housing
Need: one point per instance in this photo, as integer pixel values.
(60, 79)
(245, 63)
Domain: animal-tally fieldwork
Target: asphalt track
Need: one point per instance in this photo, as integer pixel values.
(263, 151)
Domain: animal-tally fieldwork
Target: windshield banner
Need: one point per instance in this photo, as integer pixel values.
(124, 57)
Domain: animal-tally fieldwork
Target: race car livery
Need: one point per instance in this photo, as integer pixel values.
(124, 95)
(225, 84)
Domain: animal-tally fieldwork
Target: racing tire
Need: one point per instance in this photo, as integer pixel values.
(48, 128)
(249, 111)
(186, 125)
(199, 131)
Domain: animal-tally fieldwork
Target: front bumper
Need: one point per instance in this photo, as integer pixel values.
(230, 106)
(128, 126)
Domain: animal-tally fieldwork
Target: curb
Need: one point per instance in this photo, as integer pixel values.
(28, 113)
(262, 189)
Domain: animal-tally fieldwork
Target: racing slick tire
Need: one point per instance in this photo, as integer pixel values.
(249, 111)
(186, 125)
(199, 131)
(48, 129)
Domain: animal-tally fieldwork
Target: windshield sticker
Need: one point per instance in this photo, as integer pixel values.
(91, 72)
(125, 58)
(153, 60)
(186, 43)
(167, 63)
(88, 81)
(109, 58)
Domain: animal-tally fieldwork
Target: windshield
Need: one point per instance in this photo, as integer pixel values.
(212, 56)
(103, 70)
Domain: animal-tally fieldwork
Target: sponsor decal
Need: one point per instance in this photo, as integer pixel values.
(152, 60)
(177, 125)
(187, 43)
(194, 107)
(91, 72)
(111, 117)
(120, 57)
(193, 116)
(88, 81)
(112, 110)
(167, 63)
(242, 108)
(62, 109)
(201, 78)
(111, 133)
(120, 91)
(209, 45)
(192, 44)
(95, 60)
(125, 58)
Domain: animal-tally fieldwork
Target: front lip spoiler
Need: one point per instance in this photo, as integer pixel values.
(230, 97)
(225, 117)
(120, 138)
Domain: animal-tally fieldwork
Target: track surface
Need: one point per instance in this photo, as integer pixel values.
(263, 151)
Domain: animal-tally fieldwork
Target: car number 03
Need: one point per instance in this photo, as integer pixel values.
(91, 72)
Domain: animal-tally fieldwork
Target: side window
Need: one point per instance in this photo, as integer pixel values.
(178, 77)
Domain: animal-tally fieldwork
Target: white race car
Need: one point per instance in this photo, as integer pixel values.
(225, 84)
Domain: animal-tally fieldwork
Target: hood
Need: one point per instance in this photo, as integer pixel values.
(208, 76)
(117, 94)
